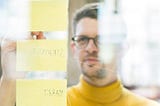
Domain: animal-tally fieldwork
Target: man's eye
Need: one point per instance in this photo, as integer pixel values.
(84, 39)
(97, 40)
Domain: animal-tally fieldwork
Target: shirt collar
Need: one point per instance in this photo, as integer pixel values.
(106, 94)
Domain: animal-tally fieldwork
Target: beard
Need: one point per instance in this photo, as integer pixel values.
(93, 70)
(96, 73)
(99, 69)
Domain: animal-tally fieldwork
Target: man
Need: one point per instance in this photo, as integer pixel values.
(99, 85)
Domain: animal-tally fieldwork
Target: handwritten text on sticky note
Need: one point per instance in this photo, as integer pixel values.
(41, 92)
(41, 55)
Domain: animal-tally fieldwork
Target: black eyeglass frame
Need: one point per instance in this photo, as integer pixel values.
(75, 39)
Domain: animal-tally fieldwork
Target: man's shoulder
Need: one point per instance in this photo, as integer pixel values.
(73, 96)
(138, 100)
(72, 90)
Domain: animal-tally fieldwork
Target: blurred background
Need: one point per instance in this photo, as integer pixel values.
(140, 71)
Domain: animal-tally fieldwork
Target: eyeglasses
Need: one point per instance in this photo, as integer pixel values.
(82, 41)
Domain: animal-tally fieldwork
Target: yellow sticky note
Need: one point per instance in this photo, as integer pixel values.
(41, 92)
(49, 15)
(41, 55)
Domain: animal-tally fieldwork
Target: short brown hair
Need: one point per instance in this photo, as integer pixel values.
(89, 10)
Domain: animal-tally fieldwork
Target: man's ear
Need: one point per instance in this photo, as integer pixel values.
(73, 47)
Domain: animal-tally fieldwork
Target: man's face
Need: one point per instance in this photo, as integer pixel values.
(87, 56)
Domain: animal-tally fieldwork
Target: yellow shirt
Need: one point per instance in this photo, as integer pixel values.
(115, 94)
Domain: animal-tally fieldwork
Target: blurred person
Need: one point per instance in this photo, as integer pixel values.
(99, 84)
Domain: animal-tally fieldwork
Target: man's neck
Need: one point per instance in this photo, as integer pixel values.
(101, 82)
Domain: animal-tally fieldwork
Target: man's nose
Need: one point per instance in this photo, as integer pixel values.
(91, 47)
